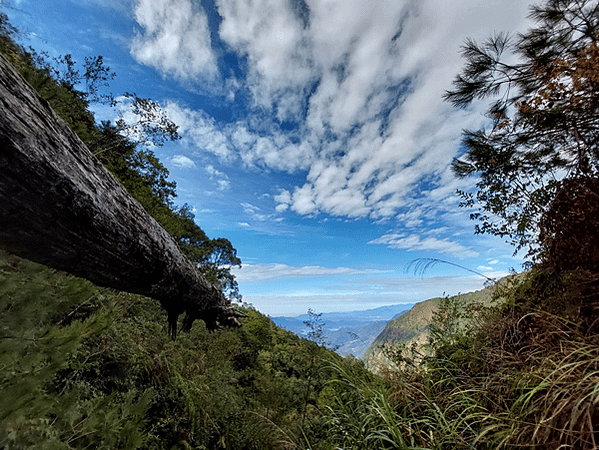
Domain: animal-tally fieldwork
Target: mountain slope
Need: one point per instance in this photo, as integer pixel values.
(412, 327)
(86, 367)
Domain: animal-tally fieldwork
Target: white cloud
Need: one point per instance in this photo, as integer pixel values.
(271, 34)
(415, 243)
(437, 231)
(255, 212)
(236, 143)
(183, 162)
(283, 200)
(363, 81)
(221, 178)
(376, 72)
(200, 131)
(258, 273)
(175, 39)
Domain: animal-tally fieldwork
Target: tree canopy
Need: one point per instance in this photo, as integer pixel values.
(544, 111)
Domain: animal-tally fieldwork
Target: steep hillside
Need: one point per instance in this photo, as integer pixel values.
(355, 340)
(412, 327)
(87, 367)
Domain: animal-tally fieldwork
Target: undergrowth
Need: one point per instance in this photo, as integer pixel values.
(522, 373)
(84, 367)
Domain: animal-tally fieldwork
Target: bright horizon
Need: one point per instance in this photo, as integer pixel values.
(314, 135)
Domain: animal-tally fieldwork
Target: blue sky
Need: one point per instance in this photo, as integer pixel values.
(314, 135)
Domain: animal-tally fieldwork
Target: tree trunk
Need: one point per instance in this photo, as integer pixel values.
(61, 207)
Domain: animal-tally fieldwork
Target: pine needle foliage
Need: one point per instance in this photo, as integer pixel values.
(543, 117)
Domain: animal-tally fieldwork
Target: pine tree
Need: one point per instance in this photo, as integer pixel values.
(544, 115)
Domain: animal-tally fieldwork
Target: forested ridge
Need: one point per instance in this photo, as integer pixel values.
(90, 367)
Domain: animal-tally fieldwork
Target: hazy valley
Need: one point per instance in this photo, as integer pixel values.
(347, 332)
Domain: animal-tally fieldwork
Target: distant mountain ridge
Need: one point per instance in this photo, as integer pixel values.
(349, 332)
(412, 327)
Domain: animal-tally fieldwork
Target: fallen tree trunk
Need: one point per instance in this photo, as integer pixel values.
(61, 207)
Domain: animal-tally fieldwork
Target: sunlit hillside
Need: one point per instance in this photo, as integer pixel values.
(412, 327)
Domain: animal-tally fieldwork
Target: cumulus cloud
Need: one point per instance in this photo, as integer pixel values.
(200, 131)
(266, 272)
(370, 78)
(277, 44)
(174, 38)
(283, 199)
(236, 143)
(362, 82)
(416, 243)
(183, 162)
(219, 177)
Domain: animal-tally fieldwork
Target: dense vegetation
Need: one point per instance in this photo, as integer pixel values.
(84, 367)
(524, 372)
(412, 329)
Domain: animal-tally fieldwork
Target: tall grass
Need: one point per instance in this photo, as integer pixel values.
(403, 413)
(508, 377)
(554, 401)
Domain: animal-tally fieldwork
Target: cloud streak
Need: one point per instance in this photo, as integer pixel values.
(268, 272)
(365, 294)
(183, 162)
(413, 243)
